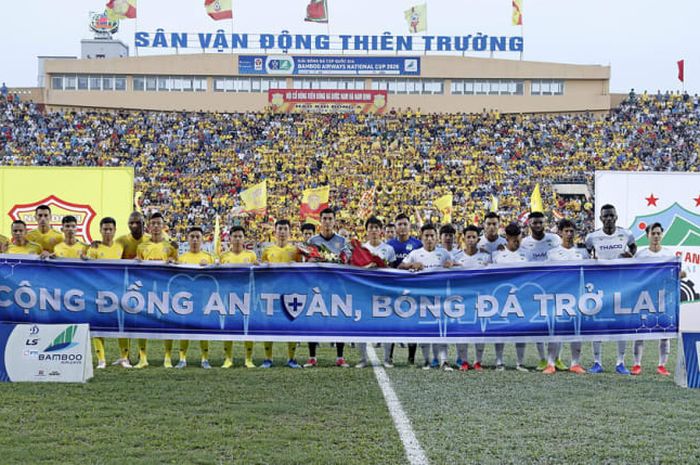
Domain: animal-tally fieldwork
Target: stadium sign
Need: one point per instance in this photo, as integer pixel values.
(327, 101)
(45, 353)
(328, 65)
(586, 300)
(84, 214)
(286, 41)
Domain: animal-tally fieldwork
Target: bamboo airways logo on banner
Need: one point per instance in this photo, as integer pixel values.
(64, 340)
(59, 208)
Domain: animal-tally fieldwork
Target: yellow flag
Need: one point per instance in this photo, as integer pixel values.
(217, 236)
(536, 200)
(417, 18)
(120, 9)
(517, 12)
(255, 198)
(313, 201)
(444, 206)
(494, 204)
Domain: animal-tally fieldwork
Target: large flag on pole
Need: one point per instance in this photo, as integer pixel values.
(317, 11)
(517, 12)
(313, 201)
(681, 70)
(444, 206)
(255, 198)
(121, 9)
(536, 200)
(417, 18)
(219, 9)
(367, 203)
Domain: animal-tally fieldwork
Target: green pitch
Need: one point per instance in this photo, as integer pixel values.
(330, 415)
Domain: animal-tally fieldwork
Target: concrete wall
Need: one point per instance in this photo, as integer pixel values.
(586, 88)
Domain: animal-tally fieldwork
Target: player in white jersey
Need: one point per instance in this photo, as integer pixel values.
(567, 251)
(447, 242)
(471, 257)
(513, 253)
(655, 233)
(608, 243)
(374, 244)
(429, 258)
(538, 243)
(491, 241)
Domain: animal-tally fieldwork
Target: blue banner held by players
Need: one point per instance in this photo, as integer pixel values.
(616, 300)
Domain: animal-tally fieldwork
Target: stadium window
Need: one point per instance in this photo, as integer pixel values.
(468, 87)
(57, 82)
(411, 86)
(219, 84)
(82, 82)
(151, 83)
(255, 85)
(107, 83)
(519, 85)
(432, 87)
(457, 87)
(359, 84)
(119, 83)
(69, 82)
(558, 87)
(175, 83)
(535, 88)
(163, 83)
(200, 84)
(187, 83)
(545, 88)
(392, 86)
(278, 83)
(401, 86)
(503, 88)
(493, 87)
(95, 83)
(139, 83)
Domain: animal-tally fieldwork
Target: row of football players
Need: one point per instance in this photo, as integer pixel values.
(435, 249)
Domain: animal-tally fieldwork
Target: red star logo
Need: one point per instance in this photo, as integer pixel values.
(651, 200)
(697, 201)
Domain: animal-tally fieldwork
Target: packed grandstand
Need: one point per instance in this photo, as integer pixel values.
(191, 166)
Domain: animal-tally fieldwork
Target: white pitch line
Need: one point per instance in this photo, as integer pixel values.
(414, 451)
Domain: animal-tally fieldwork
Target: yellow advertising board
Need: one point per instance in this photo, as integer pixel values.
(89, 194)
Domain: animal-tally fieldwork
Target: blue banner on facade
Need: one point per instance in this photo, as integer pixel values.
(622, 299)
(328, 65)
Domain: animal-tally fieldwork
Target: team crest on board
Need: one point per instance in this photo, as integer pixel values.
(83, 213)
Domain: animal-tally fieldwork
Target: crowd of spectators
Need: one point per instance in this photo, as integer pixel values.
(191, 166)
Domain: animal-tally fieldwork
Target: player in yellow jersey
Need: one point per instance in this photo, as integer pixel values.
(281, 252)
(44, 235)
(4, 242)
(70, 247)
(238, 255)
(108, 249)
(130, 242)
(19, 244)
(156, 249)
(195, 256)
